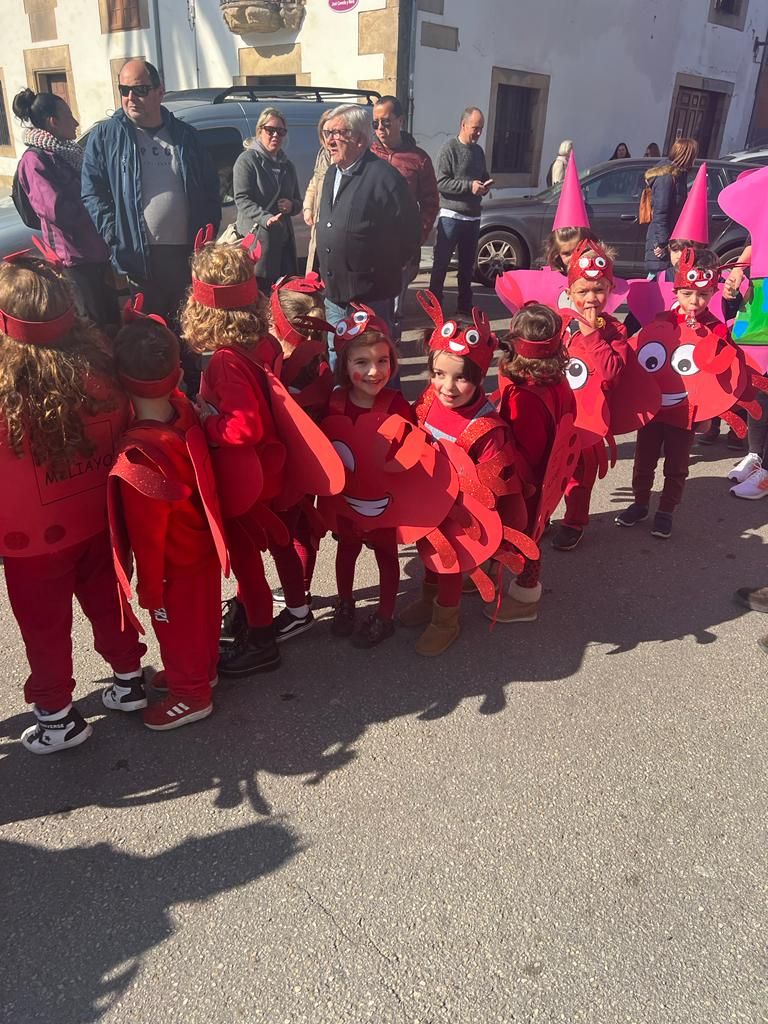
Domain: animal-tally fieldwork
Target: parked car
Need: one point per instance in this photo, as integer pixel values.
(224, 118)
(513, 231)
(755, 155)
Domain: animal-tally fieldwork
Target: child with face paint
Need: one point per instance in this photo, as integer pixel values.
(366, 363)
(604, 339)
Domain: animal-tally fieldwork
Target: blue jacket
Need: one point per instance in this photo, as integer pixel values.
(111, 188)
(669, 187)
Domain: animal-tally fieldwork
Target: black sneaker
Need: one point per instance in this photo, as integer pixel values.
(662, 525)
(234, 622)
(373, 631)
(632, 515)
(258, 653)
(567, 538)
(287, 625)
(709, 436)
(56, 730)
(343, 619)
(125, 694)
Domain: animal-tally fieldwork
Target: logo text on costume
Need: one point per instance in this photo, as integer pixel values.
(83, 472)
(160, 615)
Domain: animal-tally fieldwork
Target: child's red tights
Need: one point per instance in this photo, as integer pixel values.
(385, 550)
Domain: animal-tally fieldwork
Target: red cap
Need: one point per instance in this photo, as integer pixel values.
(589, 268)
(476, 343)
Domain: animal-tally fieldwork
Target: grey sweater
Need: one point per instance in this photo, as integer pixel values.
(458, 165)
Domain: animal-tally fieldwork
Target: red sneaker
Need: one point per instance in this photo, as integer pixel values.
(173, 712)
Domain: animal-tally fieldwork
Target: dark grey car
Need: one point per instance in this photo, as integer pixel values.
(513, 231)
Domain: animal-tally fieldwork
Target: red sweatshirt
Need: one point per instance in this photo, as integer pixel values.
(606, 347)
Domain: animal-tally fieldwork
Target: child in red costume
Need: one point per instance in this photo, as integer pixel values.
(603, 339)
(672, 430)
(296, 302)
(366, 362)
(534, 396)
(163, 509)
(61, 414)
(456, 408)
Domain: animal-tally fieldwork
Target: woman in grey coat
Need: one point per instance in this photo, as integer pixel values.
(267, 196)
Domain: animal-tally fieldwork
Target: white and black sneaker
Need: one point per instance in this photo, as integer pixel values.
(57, 730)
(288, 625)
(278, 597)
(125, 694)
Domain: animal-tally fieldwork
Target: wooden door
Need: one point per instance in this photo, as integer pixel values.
(693, 117)
(55, 82)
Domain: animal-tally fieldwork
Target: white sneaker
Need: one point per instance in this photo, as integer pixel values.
(754, 487)
(57, 731)
(745, 468)
(125, 694)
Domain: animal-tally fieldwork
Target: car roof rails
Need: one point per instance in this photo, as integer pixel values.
(314, 93)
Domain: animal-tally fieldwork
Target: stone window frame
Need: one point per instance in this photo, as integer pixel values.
(718, 85)
(526, 80)
(10, 149)
(725, 19)
(104, 18)
(48, 59)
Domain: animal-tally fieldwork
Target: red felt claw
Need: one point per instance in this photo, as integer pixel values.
(484, 584)
(431, 307)
(736, 423)
(203, 237)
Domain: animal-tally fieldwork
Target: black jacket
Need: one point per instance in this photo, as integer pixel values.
(368, 235)
(669, 187)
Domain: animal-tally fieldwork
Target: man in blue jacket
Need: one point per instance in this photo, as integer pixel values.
(149, 185)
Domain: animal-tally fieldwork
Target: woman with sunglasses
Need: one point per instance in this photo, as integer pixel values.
(267, 197)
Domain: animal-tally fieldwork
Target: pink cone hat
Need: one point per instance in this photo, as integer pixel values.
(693, 222)
(571, 211)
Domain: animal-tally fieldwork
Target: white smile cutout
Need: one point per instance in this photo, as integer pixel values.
(456, 346)
(370, 509)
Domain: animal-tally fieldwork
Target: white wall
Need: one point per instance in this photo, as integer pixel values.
(612, 68)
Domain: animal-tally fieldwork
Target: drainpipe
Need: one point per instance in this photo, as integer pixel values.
(158, 37)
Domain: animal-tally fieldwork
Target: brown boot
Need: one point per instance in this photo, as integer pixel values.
(419, 612)
(440, 633)
(521, 604)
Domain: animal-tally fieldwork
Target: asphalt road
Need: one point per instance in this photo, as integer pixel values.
(559, 822)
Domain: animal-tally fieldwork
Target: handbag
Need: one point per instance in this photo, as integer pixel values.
(645, 210)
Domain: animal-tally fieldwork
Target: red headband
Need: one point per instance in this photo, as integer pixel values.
(688, 275)
(589, 268)
(151, 388)
(309, 285)
(539, 349)
(476, 343)
(353, 325)
(226, 296)
(37, 332)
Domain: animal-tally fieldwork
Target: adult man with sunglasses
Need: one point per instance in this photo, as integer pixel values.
(149, 185)
(399, 149)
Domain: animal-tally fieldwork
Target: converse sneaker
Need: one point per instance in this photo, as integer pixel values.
(125, 694)
(288, 625)
(745, 468)
(173, 712)
(56, 730)
(662, 525)
(632, 515)
(754, 487)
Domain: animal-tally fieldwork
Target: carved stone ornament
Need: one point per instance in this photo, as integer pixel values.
(244, 16)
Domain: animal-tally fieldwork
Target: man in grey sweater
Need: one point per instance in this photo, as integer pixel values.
(462, 180)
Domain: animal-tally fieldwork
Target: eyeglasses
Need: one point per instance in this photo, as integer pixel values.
(383, 121)
(273, 130)
(137, 90)
(337, 133)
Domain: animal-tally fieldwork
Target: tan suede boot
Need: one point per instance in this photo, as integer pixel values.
(419, 612)
(440, 633)
(521, 604)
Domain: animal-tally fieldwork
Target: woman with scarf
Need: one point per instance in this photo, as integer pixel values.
(49, 174)
(267, 196)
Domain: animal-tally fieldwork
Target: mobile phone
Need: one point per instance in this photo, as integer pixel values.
(487, 184)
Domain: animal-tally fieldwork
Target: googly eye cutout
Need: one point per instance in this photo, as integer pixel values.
(577, 374)
(709, 274)
(691, 276)
(601, 262)
(341, 328)
(345, 454)
(360, 317)
(472, 338)
(652, 356)
(448, 329)
(584, 262)
(682, 361)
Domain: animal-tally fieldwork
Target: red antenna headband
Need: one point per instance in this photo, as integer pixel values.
(309, 285)
(226, 296)
(37, 332)
(589, 267)
(132, 312)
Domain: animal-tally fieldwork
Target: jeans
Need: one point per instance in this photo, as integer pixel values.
(410, 271)
(385, 308)
(450, 235)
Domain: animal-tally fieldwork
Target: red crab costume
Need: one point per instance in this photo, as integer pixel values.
(54, 536)
(163, 509)
(267, 453)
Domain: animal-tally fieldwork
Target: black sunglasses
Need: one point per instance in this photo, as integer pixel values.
(137, 90)
(383, 121)
(272, 130)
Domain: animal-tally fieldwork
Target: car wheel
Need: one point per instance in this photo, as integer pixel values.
(497, 252)
(731, 255)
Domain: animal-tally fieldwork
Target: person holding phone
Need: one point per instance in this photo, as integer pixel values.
(462, 181)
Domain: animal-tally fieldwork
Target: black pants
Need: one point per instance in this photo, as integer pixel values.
(452, 234)
(95, 295)
(165, 291)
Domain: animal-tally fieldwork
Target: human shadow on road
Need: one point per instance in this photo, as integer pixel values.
(85, 917)
(620, 589)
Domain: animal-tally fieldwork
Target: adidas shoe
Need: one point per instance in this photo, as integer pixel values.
(754, 487)
(288, 625)
(745, 468)
(173, 712)
(125, 694)
(55, 731)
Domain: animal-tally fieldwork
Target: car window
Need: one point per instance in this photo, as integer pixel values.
(224, 146)
(620, 186)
